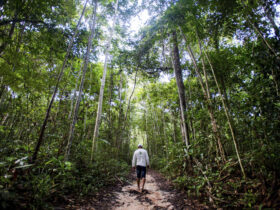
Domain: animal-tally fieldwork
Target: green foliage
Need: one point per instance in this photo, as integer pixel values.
(57, 178)
(241, 41)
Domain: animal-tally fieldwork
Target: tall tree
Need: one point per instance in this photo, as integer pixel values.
(85, 66)
(100, 100)
(43, 127)
(181, 88)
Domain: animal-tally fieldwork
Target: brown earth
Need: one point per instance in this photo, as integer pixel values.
(158, 194)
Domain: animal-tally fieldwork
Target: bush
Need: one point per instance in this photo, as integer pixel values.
(41, 183)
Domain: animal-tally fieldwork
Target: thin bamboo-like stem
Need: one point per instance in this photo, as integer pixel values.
(43, 127)
(227, 116)
(77, 104)
(207, 96)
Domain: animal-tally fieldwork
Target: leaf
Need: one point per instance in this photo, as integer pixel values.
(24, 166)
(20, 160)
(105, 141)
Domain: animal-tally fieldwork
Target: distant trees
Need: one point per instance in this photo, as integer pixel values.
(42, 48)
(219, 107)
(227, 51)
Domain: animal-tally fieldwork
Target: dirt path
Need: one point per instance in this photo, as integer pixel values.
(151, 198)
(158, 194)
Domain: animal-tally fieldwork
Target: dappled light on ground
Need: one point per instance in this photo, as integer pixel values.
(151, 198)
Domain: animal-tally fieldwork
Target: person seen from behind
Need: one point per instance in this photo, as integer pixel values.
(141, 159)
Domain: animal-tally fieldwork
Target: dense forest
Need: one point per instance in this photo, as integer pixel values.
(197, 85)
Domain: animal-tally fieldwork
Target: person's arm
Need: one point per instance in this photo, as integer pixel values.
(147, 159)
(133, 160)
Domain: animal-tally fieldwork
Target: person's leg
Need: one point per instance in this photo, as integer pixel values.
(143, 176)
(138, 173)
(143, 184)
(138, 183)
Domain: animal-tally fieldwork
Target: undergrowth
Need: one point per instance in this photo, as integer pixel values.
(24, 186)
(218, 184)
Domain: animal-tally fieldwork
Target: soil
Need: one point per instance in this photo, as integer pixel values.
(158, 194)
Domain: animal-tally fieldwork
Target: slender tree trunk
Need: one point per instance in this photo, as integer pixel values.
(72, 126)
(166, 139)
(100, 100)
(210, 107)
(118, 136)
(110, 92)
(43, 127)
(85, 134)
(128, 108)
(207, 96)
(191, 118)
(130, 97)
(173, 119)
(270, 48)
(156, 126)
(181, 88)
(85, 122)
(75, 93)
(227, 116)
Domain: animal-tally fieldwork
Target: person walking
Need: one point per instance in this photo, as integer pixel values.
(141, 158)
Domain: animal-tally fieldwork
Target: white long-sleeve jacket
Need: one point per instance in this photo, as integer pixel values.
(141, 158)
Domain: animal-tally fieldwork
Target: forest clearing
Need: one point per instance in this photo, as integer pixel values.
(193, 82)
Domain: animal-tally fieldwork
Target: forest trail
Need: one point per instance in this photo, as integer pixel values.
(151, 198)
(158, 194)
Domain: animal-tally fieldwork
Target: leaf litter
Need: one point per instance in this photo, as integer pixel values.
(158, 194)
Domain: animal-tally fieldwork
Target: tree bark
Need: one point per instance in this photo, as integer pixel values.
(75, 93)
(207, 96)
(101, 93)
(43, 127)
(210, 107)
(227, 116)
(130, 97)
(77, 104)
(181, 88)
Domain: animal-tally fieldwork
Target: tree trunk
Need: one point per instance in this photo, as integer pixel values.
(227, 116)
(206, 93)
(210, 107)
(101, 93)
(77, 104)
(130, 97)
(43, 127)
(181, 88)
(173, 119)
(110, 92)
(75, 93)
(270, 48)
(118, 139)
(166, 139)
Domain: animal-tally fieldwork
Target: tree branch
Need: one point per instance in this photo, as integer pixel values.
(6, 22)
